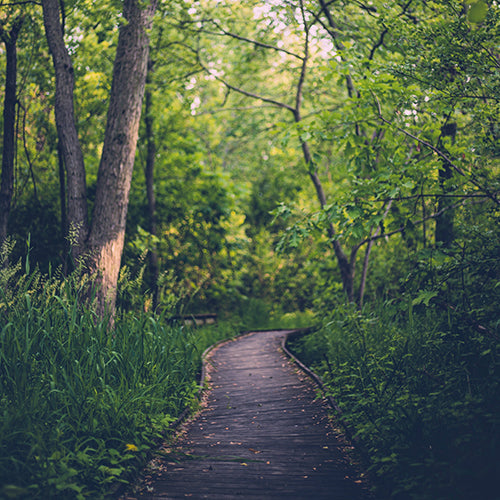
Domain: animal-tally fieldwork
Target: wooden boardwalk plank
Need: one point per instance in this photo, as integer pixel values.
(263, 434)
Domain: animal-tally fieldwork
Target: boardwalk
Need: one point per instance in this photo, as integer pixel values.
(261, 435)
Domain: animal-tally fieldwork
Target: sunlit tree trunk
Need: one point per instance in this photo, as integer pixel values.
(9, 124)
(115, 170)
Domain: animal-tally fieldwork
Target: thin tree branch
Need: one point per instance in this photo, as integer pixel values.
(333, 31)
(250, 40)
(364, 271)
(27, 2)
(269, 100)
(303, 69)
(379, 43)
(236, 108)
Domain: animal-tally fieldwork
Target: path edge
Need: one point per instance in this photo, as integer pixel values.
(348, 430)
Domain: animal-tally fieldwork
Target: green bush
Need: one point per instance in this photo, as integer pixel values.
(422, 393)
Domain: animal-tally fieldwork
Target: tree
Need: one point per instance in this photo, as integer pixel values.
(383, 178)
(103, 240)
(9, 37)
(117, 161)
(302, 60)
(77, 212)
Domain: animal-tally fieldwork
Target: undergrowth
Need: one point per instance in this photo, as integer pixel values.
(421, 390)
(417, 375)
(81, 405)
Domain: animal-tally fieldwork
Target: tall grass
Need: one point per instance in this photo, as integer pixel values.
(80, 405)
(421, 389)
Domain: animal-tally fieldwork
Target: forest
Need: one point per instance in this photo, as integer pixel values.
(326, 164)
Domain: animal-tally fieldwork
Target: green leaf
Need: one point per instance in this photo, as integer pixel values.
(424, 297)
(477, 12)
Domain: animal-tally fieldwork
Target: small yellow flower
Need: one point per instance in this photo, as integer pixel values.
(131, 447)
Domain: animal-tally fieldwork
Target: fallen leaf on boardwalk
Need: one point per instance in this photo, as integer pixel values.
(243, 463)
(254, 451)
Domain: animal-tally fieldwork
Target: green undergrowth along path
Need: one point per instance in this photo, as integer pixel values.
(421, 390)
(81, 405)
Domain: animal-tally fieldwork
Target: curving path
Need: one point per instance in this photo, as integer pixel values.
(262, 434)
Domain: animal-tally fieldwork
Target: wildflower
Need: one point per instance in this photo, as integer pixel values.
(131, 447)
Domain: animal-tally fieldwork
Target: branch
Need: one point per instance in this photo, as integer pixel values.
(26, 2)
(236, 108)
(364, 272)
(379, 42)
(249, 40)
(442, 155)
(269, 100)
(303, 69)
(338, 43)
(433, 195)
(369, 8)
(373, 236)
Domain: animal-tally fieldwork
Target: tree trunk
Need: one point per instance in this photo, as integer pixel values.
(346, 266)
(444, 222)
(364, 272)
(9, 125)
(444, 233)
(63, 208)
(150, 172)
(66, 128)
(115, 170)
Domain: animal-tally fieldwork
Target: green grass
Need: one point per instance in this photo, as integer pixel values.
(81, 405)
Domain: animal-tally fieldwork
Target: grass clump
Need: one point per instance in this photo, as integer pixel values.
(81, 405)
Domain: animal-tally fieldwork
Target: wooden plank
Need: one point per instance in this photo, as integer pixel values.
(194, 319)
(263, 434)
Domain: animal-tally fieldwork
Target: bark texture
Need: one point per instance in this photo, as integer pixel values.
(115, 170)
(9, 124)
(77, 215)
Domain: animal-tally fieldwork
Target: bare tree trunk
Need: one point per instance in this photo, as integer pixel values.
(444, 233)
(115, 170)
(66, 127)
(364, 272)
(346, 266)
(9, 124)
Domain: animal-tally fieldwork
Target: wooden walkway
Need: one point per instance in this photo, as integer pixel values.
(262, 434)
